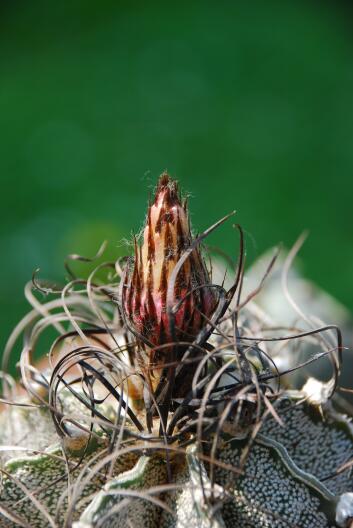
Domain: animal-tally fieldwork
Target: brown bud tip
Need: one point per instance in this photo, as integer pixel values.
(166, 235)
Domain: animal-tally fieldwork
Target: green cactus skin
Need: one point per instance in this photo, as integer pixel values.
(147, 473)
(325, 436)
(280, 486)
(192, 502)
(44, 472)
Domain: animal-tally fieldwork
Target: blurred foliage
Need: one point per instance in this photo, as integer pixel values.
(248, 104)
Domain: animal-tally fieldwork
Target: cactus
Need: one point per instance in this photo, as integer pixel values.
(167, 401)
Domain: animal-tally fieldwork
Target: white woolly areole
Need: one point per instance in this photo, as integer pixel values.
(344, 510)
(316, 391)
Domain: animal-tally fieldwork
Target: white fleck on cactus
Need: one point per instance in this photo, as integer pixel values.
(166, 401)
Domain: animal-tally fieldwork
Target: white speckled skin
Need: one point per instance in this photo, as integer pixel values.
(266, 495)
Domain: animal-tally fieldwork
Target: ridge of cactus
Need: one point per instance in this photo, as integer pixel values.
(168, 400)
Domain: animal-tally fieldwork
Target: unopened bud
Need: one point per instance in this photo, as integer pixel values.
(166, 236)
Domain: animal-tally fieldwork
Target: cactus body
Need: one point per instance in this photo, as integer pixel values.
(161, 406)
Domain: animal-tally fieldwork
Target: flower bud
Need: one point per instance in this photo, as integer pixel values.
(166, 236)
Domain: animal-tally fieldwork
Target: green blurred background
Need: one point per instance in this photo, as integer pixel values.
(248, 104)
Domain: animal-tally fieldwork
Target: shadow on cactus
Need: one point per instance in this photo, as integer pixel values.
(167, 400)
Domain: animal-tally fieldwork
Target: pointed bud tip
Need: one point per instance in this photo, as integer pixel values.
(168, 189)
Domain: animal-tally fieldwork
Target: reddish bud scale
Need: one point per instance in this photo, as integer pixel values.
(166, 236)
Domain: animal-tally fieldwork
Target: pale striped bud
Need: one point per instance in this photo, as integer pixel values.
(166, 235)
